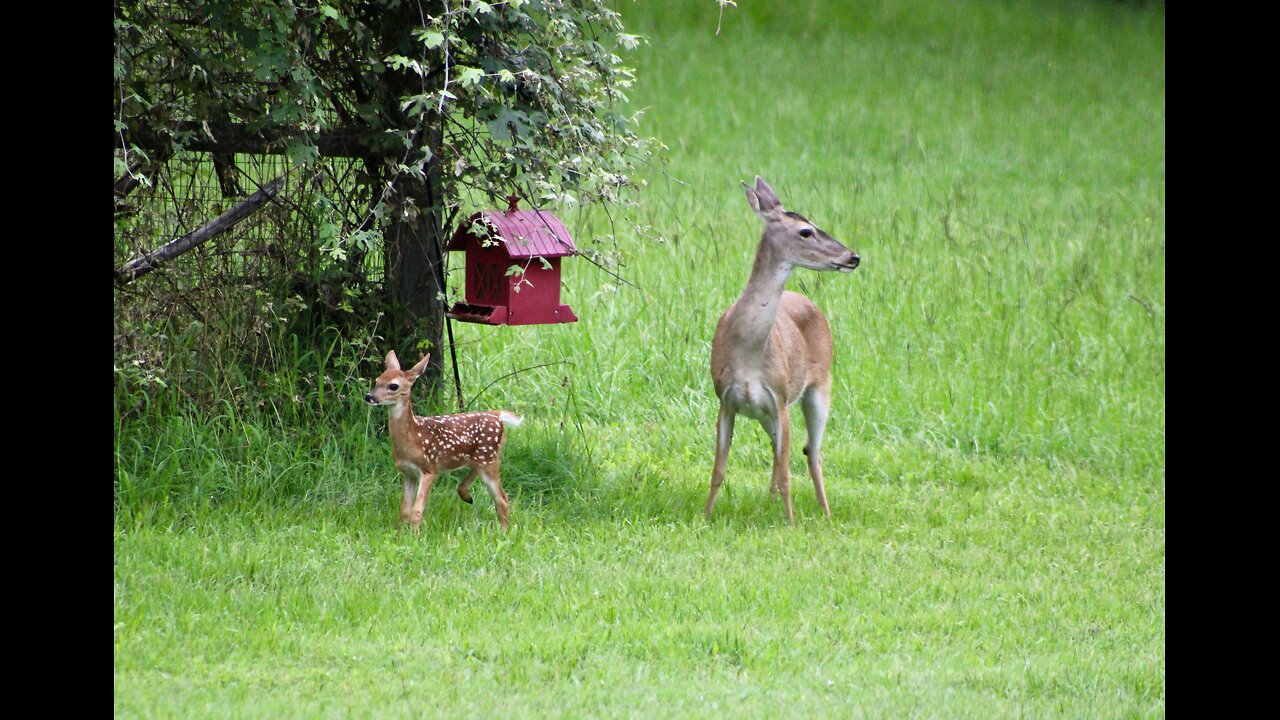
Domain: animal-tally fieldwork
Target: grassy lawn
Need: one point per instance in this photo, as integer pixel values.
(995, 458)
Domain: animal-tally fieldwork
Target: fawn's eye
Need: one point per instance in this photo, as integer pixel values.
(393, 386)
(807, 232)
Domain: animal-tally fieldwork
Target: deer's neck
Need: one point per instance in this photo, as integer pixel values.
(757, 308)
(400, 423)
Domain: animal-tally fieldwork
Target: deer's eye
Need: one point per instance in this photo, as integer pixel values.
(807, 232)
(393, 386)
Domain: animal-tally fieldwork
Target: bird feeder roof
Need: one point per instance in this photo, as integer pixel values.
(523, 233)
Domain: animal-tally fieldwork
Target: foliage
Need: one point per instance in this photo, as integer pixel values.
(467, 101)
(526, 92)
(232, 316)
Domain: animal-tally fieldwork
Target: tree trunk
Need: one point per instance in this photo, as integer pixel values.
(415, 227)
(414, 252)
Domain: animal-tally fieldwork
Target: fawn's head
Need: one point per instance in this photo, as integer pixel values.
(394, 385)
(793, 238)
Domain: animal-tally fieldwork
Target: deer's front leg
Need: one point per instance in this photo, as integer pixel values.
(419, 502)
(410, 477)
(781, 435)
(724, 438)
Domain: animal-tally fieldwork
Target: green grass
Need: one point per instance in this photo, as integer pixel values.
(995, 459)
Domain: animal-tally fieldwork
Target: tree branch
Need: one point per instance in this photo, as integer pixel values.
(344, 142)
(147, 262)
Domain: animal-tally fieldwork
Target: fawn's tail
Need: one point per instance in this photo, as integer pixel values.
(509, 419)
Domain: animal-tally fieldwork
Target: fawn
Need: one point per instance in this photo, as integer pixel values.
(772, 348)
(422, 447)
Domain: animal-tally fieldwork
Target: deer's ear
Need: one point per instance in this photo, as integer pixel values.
(392, 362)
(751, 198)
(768, 198)
(416, 370)
(762, 199)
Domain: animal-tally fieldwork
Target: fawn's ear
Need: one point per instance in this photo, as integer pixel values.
(416, 370)
(392, 362)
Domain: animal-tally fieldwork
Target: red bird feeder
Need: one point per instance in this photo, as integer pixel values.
(519, 239)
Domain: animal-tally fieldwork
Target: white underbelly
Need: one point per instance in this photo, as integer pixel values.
(750, 398)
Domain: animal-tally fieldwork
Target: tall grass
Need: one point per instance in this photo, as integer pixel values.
(995, 457)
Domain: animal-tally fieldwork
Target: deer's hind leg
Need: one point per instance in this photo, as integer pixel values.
(778, 428)
(816, 404)
(490, 475)
(464, 487)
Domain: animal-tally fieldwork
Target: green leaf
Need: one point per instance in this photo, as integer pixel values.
(333, 14)
(365, 239)
(630, 42)
(326, 232)
(400, 62)
(508, 123)
(469, 75)
(432, 38)
(300, 154)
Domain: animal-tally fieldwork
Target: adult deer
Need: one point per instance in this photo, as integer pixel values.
(422, 447)
(773, 347)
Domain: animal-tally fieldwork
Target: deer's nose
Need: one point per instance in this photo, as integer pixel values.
(853, 260)
(368, 397)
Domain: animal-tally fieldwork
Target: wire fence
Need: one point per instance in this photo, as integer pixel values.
(308, 261)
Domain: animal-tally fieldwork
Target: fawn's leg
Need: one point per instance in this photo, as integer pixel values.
(464, 487)
(420, 500)
(724, 438)
(816, 403)
(490, 476)
(780, 433)
(410, 477)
